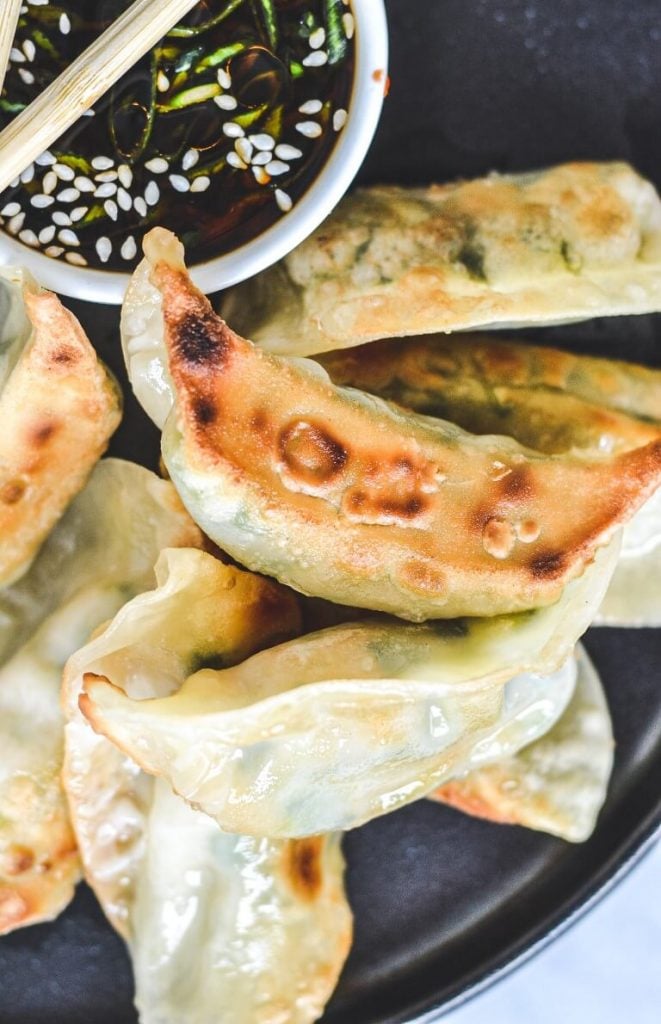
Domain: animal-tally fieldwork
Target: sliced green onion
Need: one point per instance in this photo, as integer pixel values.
(188, 31)
(267, 16)
(189, 97)
(336, 40)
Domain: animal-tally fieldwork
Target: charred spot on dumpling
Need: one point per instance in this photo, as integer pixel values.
(66, 355)
(310, 453)
(548, 565)
(378, 506)
(201, 340)
(42, 433)
(424, 577)
(517, 485)
(17, 860)
(205, 411)
(12, 491)
(303, 866)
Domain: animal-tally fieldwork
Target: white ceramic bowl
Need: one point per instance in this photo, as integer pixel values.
(322, 196)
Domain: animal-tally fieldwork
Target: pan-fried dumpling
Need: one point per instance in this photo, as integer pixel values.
(345, 497)
(548, 400)
(101, 553)
(218, 926)
(574, 242)
(558, 783)
(58, 408)
(337, 727)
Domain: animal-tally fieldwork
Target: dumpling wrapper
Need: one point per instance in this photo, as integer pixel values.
(573, 242)
(328, 731)
(345, 497)
(59, 407)
(549, 400)
(557, 784)
(218, 926)
(99, 555)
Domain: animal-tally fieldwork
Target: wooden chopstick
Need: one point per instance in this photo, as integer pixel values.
(90, 75)
(8, 23)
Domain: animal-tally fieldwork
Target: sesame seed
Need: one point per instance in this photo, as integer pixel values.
(27, 175)
(349, 25)
(62, 219)
(140, 206)
(152, 193)
(179, 183)
(15, 183)
(68, 237)
(317, 39)
(47, 234)
(339, 119)
(79, 213)
(234, 160)
(110, 206)
(277, 167)
(65, 24)
(69, 195)
(106, 176)
(102, 163)
(45, 159)
(158, 165)
(125, 175)
(233, 130)
(89, 113)
(224, 78)
(225, 102)
(50, 182)
(16, 57)
(200, 184)
(316, 59)
(262, 159)
(10, 210)
(54, 250)
(16, 223)
(76, 259)
(40, 201)
(103, 248)
(244, 148)
(106, 190)
(29, 49)
(162, 82)
(261, 177)
(286, 152)
(129, 248)
(311, 107)
(310, 129)
(262, 141)
(63, 172)
(84, 184)
(190, 158)
(28, 237)
(283, 200)
(124, 199)
(26, 76)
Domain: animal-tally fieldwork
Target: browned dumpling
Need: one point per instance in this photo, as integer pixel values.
(573, 242)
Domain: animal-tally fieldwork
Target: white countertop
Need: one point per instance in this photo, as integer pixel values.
(604, 970)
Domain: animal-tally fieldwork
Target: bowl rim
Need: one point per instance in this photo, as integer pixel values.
(364, 110)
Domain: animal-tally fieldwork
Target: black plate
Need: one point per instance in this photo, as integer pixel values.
(444, 902)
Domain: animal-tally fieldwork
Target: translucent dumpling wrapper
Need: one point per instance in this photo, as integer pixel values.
(557, 784)
(549, 400)
(219, 926)
(59, 407)
(337, 727)
(343, 496)
(99, 555)
(574, 242)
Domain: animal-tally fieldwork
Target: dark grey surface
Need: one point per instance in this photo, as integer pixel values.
(442, 901)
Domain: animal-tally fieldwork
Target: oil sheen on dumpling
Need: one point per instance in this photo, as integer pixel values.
(99, 555)
(548, 400)
(219, 927)
(558, 783)
(574, 242)
(337, 727)
(345, 497)
(58, 408)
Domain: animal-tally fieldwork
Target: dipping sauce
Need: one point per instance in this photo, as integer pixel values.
(215, 134)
